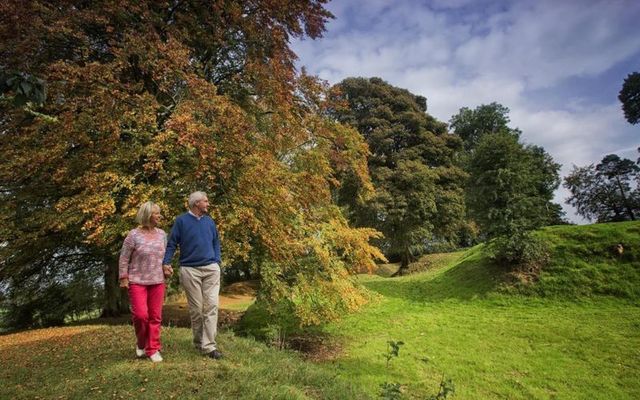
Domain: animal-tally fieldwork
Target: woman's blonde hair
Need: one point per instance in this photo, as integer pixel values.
(144, 213)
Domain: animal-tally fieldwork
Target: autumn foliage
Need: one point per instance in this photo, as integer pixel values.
(152, 100)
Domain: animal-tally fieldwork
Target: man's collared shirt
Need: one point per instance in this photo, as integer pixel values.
(198, 218)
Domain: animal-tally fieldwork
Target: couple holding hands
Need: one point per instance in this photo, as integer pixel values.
(145, 262)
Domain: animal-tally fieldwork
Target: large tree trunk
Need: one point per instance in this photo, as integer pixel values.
(116, 300)
(405, 259)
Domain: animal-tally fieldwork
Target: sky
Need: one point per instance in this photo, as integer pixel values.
(557, 65)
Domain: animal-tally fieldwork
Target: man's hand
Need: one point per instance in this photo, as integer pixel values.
(167, 270)
(124, 283)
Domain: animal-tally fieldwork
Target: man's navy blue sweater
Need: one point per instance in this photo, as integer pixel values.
(198, 241)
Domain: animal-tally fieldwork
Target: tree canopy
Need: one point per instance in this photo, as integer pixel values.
(607, 191)
(152, 100)
(472, 125)
(629, 96)
(418, 196)
(511, 185)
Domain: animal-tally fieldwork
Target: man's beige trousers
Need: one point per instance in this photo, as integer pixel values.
(202, 285)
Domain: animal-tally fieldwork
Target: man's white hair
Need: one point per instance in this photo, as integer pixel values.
(196, 197)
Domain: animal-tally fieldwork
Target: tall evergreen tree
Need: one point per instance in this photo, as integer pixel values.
(418, 195)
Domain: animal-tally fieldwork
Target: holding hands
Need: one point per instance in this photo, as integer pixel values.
(167, 270)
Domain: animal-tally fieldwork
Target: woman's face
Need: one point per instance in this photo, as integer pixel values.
(155, 218)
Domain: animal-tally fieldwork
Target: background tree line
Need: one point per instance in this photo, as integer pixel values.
(435, 188)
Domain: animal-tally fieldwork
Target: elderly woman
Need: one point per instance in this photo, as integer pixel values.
(141, 272)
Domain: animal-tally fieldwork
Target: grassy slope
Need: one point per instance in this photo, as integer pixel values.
(584, 264)
(96, 362)
(575, 335)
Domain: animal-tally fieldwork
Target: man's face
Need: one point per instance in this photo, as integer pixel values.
(202, 205)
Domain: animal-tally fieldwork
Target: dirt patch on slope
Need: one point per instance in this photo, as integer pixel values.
(315, 347)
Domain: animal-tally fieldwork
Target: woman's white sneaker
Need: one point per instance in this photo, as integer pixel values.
(139, 352)
(155, 357)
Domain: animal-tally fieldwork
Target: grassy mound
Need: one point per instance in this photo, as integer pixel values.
(465, 275)
(585, 263)
(572, 334)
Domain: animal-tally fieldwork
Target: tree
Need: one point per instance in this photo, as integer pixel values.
(509, 194)
(604, 192)
(152, 100)
(629, 96)
(510, 185)
(24, 87)
(529, 167)
(418, 190)
(472, 125)
(620, 172)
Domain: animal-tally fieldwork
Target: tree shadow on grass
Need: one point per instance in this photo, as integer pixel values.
(76, 360)
(173, 315)
(471, 278)
(99, 362)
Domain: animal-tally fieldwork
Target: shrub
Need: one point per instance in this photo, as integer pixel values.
(521, 252)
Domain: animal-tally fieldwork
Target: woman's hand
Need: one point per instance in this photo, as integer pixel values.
(167, 270)
(124, 283)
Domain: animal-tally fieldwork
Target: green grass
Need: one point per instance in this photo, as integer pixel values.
(574, 335)
(584, 263)
(97, 362)
(516, 349)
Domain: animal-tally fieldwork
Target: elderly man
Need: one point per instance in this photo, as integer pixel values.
(196, 235)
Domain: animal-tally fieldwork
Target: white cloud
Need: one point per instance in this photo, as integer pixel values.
(465, 53)
(579, 137)
(544, 42)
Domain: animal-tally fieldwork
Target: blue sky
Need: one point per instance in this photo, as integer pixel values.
(558, 65)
